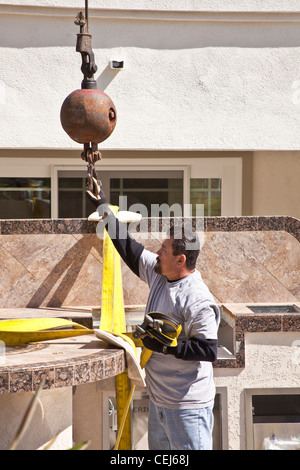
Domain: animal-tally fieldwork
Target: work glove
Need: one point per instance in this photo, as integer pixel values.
(154, 345)
(96, 195)
(94, 192)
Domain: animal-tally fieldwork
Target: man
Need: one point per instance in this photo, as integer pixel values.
(179, 379)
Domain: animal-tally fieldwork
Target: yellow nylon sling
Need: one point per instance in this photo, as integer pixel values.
(113, 320)
(32, 330)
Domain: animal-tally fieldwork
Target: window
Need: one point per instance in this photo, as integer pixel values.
(206, 191)
(138, 187)
(147, 188)
(52, 184)
(25, 198)
(72, 200)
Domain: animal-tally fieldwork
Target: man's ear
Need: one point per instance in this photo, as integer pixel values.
(181, 260)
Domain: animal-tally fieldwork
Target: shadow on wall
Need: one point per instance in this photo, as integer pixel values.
(106, 77)
(66, 273)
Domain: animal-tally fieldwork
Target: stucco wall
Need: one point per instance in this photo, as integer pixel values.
(205, 76)
(272, 361)
(52, 417)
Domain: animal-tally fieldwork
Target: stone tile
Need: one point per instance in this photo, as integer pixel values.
(293, 227)
(64, 376)
(120, 364)
(96, 370)
(26, 227)
(261, 286)
(62, 363)
(223, 265)
(53, 260)
(25, 291)
(234, 224)
(40, 373)
(279, 253)
(81, 284)
(4, 381)
(134, 290)
(91, 243)
(10, 273)
(67, 273)
(291, 323)
(271, 223)
(82, 373)
(109, 366)
(25, 249)
(258, 323)
(215, 224)
(250, 266)
(71, 226)
(20, 381)
(242, 258)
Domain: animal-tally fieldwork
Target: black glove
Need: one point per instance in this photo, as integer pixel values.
(94, 192)
(154, 345)
(96, 195)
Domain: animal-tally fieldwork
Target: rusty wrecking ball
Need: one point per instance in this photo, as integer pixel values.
(88, 115)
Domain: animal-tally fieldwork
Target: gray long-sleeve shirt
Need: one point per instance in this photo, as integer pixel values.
(172, 382)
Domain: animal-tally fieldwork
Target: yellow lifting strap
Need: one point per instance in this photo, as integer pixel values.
(32, 330)
(113, 320)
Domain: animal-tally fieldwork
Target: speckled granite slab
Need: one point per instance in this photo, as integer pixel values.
(61, 363)
(224, 224)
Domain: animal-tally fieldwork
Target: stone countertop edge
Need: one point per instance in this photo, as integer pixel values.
(207, 224)
(61, 363)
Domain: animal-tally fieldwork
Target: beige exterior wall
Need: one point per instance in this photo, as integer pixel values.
(276, 188)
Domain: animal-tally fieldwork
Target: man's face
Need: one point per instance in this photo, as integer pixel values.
(167, 263)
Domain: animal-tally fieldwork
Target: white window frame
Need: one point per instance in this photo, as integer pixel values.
(228, 169)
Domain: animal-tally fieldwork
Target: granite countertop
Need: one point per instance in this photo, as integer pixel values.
(81, 359)
(243, 320)
(61, 362)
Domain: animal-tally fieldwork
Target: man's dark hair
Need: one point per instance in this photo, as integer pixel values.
(185, 242)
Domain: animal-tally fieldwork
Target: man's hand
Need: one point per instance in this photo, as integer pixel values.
(153, 344)
(95, 192)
